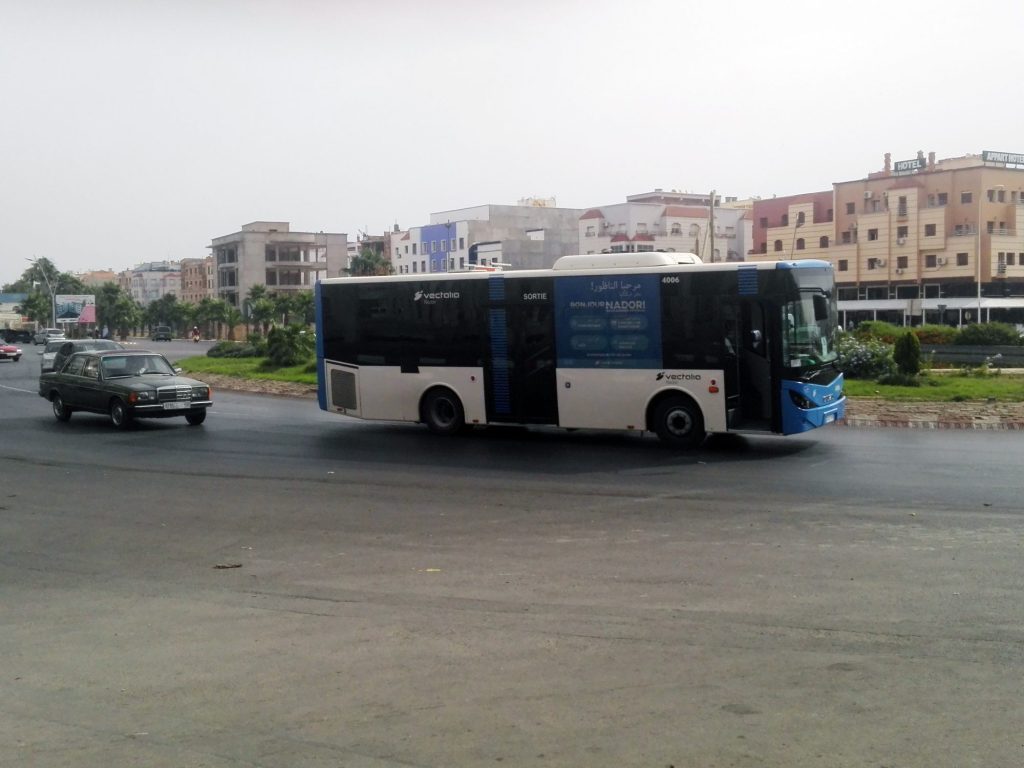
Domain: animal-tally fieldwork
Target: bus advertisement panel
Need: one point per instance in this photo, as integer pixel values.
(608, 321)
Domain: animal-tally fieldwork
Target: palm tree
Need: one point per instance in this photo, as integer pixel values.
(232, 318)
(369, 263)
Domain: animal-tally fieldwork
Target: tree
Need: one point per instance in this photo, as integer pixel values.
(304, 307)
(232, 318)
(369, 263)
(262, 312)
(37, 307)
(907, 354)
(284, 305)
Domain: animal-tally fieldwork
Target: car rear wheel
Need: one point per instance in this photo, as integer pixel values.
(195, 419)
(120, 416)
(61, 411)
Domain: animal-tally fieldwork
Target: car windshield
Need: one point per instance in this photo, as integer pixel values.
(53, 346)
(98, 344)
(122, 366)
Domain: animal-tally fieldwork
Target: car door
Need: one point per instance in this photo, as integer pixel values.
(93, 395)
(69, 382)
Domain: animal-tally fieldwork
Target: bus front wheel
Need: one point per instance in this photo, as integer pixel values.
(442, 412)
(679, 422)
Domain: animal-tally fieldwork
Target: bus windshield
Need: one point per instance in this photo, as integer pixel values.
(809, 328)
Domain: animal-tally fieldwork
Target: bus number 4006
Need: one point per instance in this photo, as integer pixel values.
(670, 279)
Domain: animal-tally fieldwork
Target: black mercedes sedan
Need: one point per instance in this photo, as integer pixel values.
(126, 385)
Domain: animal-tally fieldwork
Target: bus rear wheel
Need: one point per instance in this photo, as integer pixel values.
(442, 412)
(679, 423)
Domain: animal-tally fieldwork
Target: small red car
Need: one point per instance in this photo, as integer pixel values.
(9, 352)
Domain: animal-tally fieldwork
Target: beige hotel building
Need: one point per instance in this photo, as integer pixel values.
(919, 241)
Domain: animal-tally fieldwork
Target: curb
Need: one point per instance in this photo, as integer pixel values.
(994, 426)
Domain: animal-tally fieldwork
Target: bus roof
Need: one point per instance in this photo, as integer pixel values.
(622, 263)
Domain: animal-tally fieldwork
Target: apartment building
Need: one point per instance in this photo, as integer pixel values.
(151, 280)
(269, 253)
(524, 236)
(197, 280)
(667, 221)
(922, 240)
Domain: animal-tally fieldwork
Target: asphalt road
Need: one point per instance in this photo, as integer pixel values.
(851, 598)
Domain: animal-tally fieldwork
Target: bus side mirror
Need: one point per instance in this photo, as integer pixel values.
(820, 307)
(755, 339)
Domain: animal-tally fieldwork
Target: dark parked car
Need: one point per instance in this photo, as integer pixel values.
(126, 385)
(56, 353)
(13, 336)
(161, 333)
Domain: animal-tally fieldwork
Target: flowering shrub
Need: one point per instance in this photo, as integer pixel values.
(864, 358)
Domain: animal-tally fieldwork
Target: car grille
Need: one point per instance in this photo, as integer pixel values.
(168, 394)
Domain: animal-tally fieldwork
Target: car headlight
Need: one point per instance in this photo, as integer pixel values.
(145, 396)
(800, 401)
(200, 393)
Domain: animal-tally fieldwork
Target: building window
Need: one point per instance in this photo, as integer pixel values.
(764, 247)
(991, 194)
(851, 208)
(943, 198)
(462, 243)
(872, 234)
(799, 243)
(844, 265)
(872, 263)
(828, 216)
(414, 249)
(462, 262)
(778, 245)
(785, 219)
(800, 217)
(398, 251)
(414, 267)
(901, 262)
(762, 222)
(423, 266)
(966, 197)
(929, 230)
(846, 238)
(1002, 195)
(901, 231)
(677, 229)
(823, 242)
(930, 261)
(589, 232)
(451, 244)
(961, 259)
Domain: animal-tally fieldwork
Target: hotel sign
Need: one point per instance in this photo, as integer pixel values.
(1010, 158)
(903, 167)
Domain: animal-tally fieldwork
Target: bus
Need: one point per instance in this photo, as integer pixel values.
(650, 342)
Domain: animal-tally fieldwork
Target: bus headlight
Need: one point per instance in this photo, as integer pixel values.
(800, 401)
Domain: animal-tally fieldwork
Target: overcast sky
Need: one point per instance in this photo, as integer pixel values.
(134, 131)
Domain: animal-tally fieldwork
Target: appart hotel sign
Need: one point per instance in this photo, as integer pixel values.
(1010, 158)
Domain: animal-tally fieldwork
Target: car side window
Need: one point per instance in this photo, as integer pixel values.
(92, 368)
(75, 366)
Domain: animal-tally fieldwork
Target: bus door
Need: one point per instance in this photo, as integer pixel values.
(755, 366)
(529, 394)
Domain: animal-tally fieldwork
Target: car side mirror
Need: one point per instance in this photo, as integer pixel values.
(40, 352)
(177, 369)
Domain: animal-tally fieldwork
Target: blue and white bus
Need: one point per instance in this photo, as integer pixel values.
(652, 341)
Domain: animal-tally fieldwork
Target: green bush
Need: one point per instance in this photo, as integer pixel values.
(935, 334)
(876, 329)
(288, 346)
(864, 358)
(987, 334)
(233, 349)
(259, 342)
(907, 354)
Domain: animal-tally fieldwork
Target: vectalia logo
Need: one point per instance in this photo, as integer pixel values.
(434, 295)
(677, 376)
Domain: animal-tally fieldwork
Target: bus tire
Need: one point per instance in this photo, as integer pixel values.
(678, 422)
(442, 412)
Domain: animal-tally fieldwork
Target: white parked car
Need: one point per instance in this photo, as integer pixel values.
(48, 334)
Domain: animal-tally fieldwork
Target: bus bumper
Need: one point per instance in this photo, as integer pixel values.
(809, 406)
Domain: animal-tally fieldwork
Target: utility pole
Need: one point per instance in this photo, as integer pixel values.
(711, 226)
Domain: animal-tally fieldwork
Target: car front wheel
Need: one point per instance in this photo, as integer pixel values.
(120, 416)
(195, 419)
(61, 411)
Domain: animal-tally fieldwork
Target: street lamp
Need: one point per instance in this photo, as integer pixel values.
(792, 240)
(50, 288)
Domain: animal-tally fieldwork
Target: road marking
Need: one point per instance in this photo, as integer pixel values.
(19, 389)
